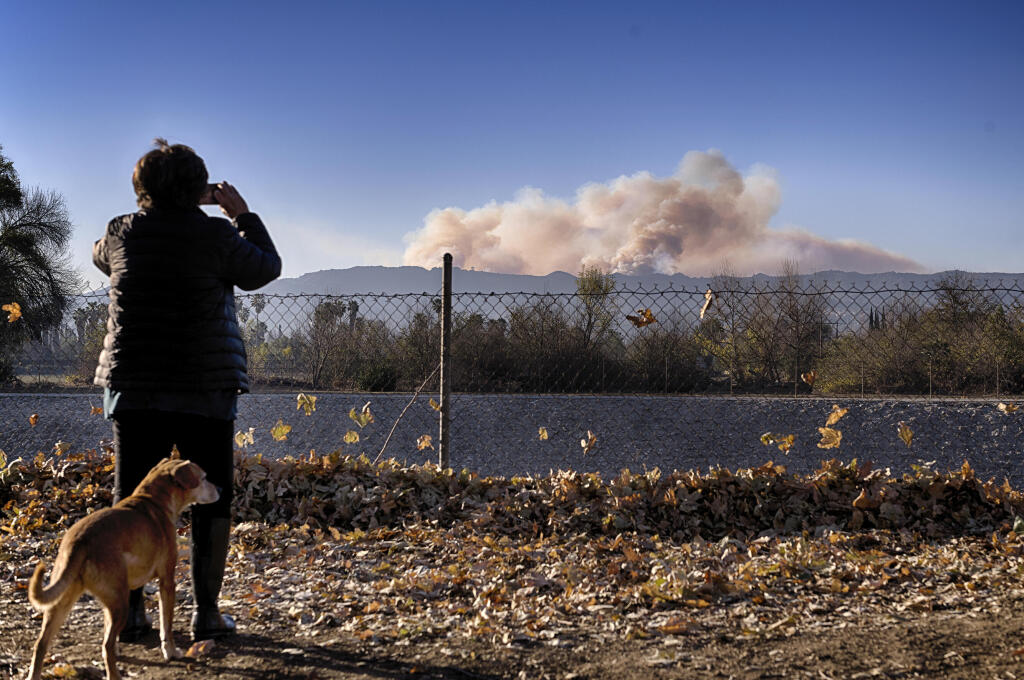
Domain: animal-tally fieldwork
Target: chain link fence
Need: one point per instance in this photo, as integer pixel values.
(954, 339)
(681, 372)
(356, 343)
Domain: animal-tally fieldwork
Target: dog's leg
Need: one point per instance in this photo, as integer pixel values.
(53, 619)
(167, 645)
(114, 619)
(112, 593)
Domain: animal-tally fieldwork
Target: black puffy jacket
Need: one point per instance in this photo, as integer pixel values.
(171, 324)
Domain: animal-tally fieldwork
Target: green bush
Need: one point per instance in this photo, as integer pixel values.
(378, 376)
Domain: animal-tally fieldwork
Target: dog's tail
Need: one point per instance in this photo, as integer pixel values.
(41, 596)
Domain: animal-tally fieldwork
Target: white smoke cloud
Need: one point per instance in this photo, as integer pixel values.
(704, 215)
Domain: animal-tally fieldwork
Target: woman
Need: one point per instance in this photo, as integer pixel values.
(173, 362)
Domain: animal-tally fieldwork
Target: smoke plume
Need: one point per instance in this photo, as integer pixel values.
(702, 218)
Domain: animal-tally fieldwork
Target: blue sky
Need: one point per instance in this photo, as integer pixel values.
(345, 124)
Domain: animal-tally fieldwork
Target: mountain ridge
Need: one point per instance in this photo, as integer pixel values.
(376, 279)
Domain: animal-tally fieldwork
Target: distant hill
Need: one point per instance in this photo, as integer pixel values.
(395, 280)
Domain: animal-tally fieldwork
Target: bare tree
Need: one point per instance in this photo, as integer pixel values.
(594, 289)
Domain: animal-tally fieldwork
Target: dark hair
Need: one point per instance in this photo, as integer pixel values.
(169, 176)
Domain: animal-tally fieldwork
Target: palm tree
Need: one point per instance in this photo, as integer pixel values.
(10, 187)
(35, 268)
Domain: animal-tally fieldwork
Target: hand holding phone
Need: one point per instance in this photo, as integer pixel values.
(231, 202)
(208, 197)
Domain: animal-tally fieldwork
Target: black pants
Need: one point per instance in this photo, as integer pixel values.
(142, 438)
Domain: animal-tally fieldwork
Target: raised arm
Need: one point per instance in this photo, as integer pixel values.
(99, 255)
(252, 260)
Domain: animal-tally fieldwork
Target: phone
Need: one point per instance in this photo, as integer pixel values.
(207, 197)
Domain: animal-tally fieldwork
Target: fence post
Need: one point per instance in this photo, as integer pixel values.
(929, 376)
(796, 371)
(444, 438)
(732, 346)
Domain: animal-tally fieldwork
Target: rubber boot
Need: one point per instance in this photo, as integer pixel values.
(209, 555)
(138, 625)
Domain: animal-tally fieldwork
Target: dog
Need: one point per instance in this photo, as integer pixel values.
(116, 549)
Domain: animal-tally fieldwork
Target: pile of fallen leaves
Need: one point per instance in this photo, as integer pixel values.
(344, 493)
(335, 548)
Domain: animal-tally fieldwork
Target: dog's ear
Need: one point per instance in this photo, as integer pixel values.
(188, 475)
(175, 453)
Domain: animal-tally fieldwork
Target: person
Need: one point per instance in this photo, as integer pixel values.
(173, 362)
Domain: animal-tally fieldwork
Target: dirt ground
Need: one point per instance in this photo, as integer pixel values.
(802, 631)
(954, 644)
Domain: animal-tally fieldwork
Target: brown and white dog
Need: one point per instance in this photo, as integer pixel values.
(114, 550)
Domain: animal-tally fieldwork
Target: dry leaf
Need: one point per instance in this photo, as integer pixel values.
(1007, 408)
(424, 442)
(63, 670)
(307, 403)
(434, 405)
(96, 411)
(13, 311)
(709, 298)
(783, 441)
(589, 442)
(200, 649)
(677, 625)
(866, 502)
(33, 419)
(542, 433)
(645, 317)
(280, 431)
(351, 437)
(61, 447)
(829, 438)
(835, 415)
(809, 377)
(242, 439)
(363, 418)
(906, 434)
